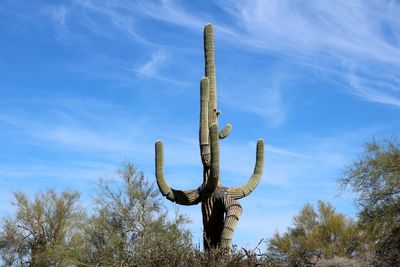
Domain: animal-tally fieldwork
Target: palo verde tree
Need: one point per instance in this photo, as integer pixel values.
(375, 178)
(317, 234)
(130, 225)
(44, 232)
(220, 208)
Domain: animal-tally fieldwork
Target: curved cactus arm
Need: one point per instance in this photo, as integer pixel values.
(187, 197)
(226, 131)
(246, 189)
(204, 127)
(233, 211)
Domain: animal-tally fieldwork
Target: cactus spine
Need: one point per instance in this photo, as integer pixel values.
(220, 208)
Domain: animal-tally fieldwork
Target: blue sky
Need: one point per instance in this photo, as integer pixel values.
(88, 84)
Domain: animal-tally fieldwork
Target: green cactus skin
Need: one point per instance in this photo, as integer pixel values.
(226, 131)
(220, 209)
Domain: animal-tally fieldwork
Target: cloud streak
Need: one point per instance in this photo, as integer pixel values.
(355, 39)
(365, 35)
(352, 40)
(266, 100)
(323, 35)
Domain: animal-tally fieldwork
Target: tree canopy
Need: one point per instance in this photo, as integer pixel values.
(44, 231)
(130, 224)
(127, 226)
(375, 178)
(316, 234)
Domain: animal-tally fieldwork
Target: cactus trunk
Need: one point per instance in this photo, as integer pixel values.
(220, 208)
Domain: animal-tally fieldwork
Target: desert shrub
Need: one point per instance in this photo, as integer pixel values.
(130, 226)
(375, 178)
(315, 235)
(340, 262)
(44, 232)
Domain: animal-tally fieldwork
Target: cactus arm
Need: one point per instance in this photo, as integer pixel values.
(246, 189)
(233, 211)
(213, 179)
(187, 197)
(210, 70)
(226, 131)
(204, 127)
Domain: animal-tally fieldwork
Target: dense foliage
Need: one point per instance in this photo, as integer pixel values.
(375, 178)
(325, 237)
(128, 225)
(45, 231)
(317, 234)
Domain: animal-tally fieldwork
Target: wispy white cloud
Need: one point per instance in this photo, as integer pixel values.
(318, 35)
(345, 27)
(321, 35)
(81, 139)
(60, 14)
(172, 12)
(71, 122)
(152, 67)
(325, 34)
(266, 100)
(306, 161)
(285, 152)
(122, 18)
(384, 91)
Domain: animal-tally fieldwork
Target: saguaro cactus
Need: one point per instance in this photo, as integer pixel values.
(220, 208)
